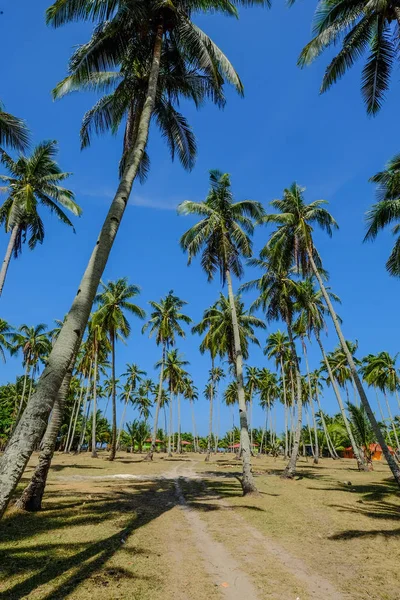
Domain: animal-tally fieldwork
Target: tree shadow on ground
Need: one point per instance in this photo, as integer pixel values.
(369, 492)
(61, 566)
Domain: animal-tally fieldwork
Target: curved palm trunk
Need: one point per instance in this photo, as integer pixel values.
(383, 418)
(316, 449)
(159, 396)
(248, 483)
(7, 257)
(360, 459)
(94, 417)
(113, 449)
(31, 498)
(391, 421)
(33, 423)
(290, 470)
(375, 427)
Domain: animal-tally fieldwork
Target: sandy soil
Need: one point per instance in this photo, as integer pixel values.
(180, 529)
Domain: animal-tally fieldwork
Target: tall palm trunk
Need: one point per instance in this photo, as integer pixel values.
(310, 434)
(113, 449)
(316, 449)
(383, 418)
(86, 406)
(195, 445)
(7, 257)
(290, 470)
(179, 448)
(356, 451)
(75, 407)
(375, 427)
(21, 403)
(285, 404)
(94, 417)
(31, 498)
(77, 411)
(159, 396)
(170, 425)
(123, 416)
(33, 423)
(210, 414)
(391, 420)
(248, 483)
(331, 448)
(217, 403)
(251, 418)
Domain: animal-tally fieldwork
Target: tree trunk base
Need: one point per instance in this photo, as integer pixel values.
(170, 455)
(94, 454)
(316, 461)
(149, 456)
(207, 458)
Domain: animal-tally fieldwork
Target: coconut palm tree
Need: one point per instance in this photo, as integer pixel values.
(209, 392)
(33, 181)
(380, 371)
(218, 375)
(142, 400)
(269, 392)
(114, 301)
(387, 210)
(360, 27)
(190, 393)
(362, 430)
(165, 323)
(176, 375)
(133, 376)
(293, 242)
(222, 236)
(35, 345)
(277, 296)
(13, 131)
(252, 384)
(278, 347)
(169, 20)
(6, 333)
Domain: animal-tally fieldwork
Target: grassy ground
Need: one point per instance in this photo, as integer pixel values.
(119, 538)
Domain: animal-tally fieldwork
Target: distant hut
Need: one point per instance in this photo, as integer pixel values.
(375, 449)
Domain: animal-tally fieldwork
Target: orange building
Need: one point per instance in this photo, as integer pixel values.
(375, 449)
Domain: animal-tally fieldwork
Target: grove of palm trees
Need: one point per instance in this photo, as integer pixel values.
(200, 390)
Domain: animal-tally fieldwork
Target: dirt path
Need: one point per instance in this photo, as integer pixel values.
(317, 586)
(218, 562)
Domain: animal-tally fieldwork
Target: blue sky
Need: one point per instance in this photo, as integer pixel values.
(282, 131)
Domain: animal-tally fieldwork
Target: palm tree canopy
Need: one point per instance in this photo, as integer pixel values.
(217, 321)
(13, 131)
(223, 234)
(361, 27)
(311, 307)
(174, 371)
(114, 301)
(34, 342)
(165, 319)
(293, 239)
(34, 181)
(380, 371)
(387, 210)
(6, 337)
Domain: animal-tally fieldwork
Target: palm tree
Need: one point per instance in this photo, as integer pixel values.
(6, 333)
(169, 20)
(165, 324)
(293, 240)
(13, 131)
(209, 392)
(362, 430)
(114, 301)
(252, 384)
(190, 393)
(360, 27)
(278, 347)
(269, 391)
(141, 399)
(176, 375)
(218, 374)
(277, 295)
(223, 237)
(32, 181)
(133, 376)
(34, 343)
(380, 371)
(387, 210)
